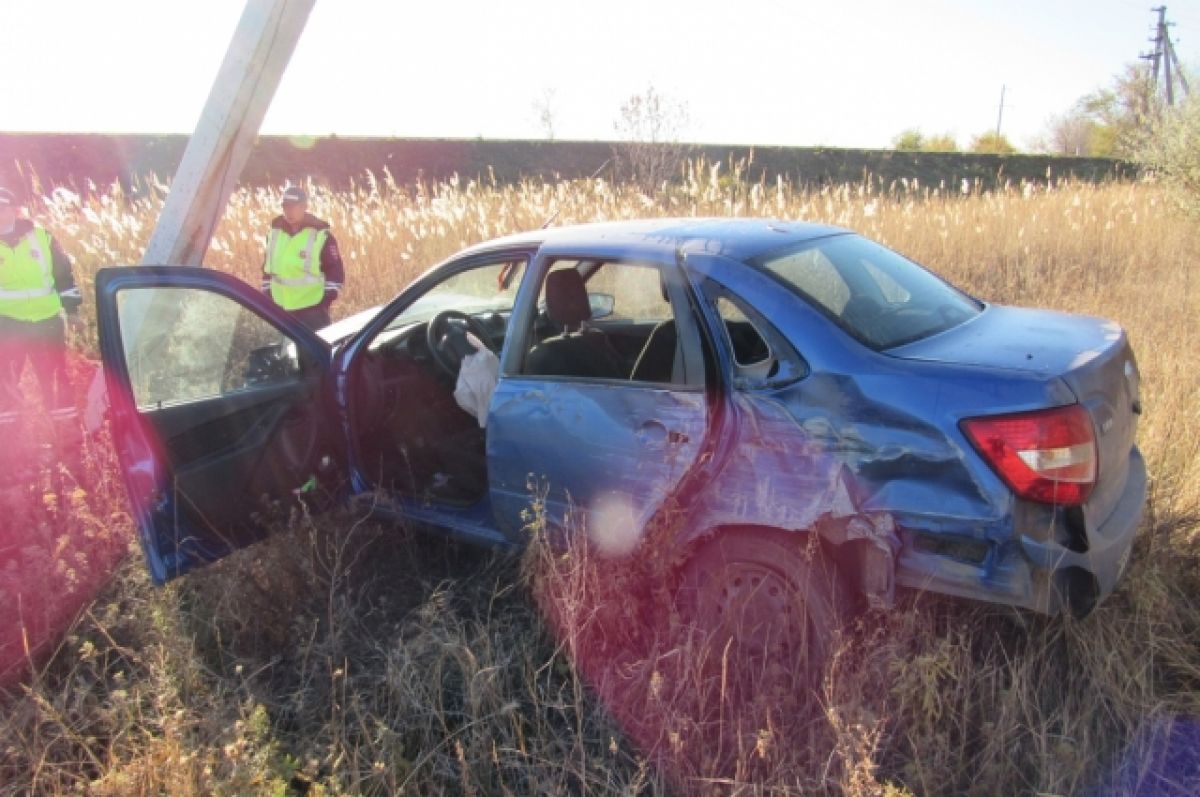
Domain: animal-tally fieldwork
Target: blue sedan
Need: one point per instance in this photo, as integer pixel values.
(815, 416)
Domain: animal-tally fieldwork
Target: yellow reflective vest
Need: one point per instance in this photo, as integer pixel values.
(294, 266)
(27, 290)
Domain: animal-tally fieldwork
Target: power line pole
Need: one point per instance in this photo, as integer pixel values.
(1164, 60)
(1000, 116)
(1172, 57)
(253, 66)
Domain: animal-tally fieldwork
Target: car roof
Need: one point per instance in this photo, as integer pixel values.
(738, 238)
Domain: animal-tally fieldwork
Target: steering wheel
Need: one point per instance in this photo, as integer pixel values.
(446, 356)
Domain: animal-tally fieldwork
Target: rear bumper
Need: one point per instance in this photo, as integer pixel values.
(1109, 544)
(1043, 576)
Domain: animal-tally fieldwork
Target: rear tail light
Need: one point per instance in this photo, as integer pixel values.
(1047, 456)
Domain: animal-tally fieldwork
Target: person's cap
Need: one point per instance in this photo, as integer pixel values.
(293, 194)
(7, 198)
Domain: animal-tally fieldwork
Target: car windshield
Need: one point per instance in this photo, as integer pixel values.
(490, 288)
(878, 296)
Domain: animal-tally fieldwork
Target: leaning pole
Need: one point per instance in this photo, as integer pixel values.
(260, 50)
(245, 84)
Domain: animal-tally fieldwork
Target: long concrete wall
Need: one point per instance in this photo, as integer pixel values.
(81, 160)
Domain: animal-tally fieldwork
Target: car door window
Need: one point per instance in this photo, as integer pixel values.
(761, 355)
(745, 341)
(637, 292)
(184, 344)
(611, 320)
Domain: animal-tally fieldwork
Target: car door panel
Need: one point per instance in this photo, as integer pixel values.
(602, 454)
(213, 445)
(226, 459)
(241, 410)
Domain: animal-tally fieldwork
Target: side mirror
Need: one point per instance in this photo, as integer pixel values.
(602, 304)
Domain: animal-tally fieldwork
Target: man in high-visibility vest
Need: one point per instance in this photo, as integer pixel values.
(303, 269)
(38, 297)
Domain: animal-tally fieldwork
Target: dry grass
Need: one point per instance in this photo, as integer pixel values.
(342, 658)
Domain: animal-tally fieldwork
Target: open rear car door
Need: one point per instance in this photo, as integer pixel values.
(223, 417)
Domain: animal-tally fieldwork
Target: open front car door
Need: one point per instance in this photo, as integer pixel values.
(222, 412)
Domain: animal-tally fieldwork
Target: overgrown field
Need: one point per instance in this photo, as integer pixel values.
(346, 658)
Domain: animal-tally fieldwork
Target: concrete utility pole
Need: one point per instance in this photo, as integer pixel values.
(262, 45)
(1000, 116)
(1163, 59)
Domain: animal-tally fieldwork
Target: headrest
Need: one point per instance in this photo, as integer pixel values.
(566, 298)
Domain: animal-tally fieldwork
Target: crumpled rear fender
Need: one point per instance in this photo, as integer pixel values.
(823, 456)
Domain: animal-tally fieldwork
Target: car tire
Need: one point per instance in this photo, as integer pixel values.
(765, 606)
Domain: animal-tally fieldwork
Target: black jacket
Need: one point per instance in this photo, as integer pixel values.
(64, 279)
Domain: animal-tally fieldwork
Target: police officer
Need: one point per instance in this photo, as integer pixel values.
(303, 270)
(37, 295)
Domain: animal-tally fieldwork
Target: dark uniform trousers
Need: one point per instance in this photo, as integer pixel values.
(313, 317)
(44, 344)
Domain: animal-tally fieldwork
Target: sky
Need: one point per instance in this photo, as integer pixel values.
(842, 73)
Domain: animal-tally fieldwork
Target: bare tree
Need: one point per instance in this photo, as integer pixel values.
(650, 125)
(1073, 133)
(1109, 122)
(545, 112)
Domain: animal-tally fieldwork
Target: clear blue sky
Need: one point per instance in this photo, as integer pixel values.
(793, 72)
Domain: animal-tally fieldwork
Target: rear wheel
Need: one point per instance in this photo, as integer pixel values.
(767, 607)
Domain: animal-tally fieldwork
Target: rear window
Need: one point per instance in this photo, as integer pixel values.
(880, 297)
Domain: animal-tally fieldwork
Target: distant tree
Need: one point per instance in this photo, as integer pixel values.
(992, 143)
(545, 112)
(1109, 122)
(1169, 147)
(910, 140)
(1073, 133)
(913, 140)
(650, 125)
(942, 142)
(1122, 112)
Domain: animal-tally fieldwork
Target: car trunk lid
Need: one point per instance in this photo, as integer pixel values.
(1090, 355)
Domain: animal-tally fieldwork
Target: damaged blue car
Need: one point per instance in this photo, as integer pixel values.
(805, 402)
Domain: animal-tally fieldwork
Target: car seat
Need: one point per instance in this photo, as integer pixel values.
(578, 350)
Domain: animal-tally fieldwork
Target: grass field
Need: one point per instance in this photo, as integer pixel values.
(346, 658)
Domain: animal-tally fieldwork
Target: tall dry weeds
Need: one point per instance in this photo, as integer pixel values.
(342, 658)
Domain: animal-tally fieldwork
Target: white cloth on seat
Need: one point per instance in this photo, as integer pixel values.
(477, 378)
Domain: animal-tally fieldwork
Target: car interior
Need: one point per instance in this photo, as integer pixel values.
(577, 350)
(595, 320)
(412, 436)
(240, 404)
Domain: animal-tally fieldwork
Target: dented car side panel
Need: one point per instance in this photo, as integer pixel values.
(860, 448)
(613, 450)
(869, 442)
